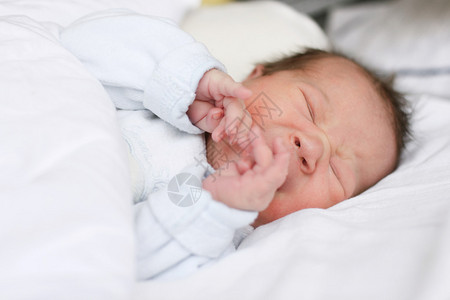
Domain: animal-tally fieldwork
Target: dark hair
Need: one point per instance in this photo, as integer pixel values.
(397, 105)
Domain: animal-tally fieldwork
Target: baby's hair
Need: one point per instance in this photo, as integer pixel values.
(396, 103)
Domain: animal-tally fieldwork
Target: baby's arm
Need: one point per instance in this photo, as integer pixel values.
(142, 62)
(251, 187)
(174, 241)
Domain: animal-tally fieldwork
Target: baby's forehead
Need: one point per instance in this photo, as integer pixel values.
(335, 66)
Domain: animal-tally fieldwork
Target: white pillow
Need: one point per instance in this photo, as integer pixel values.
(66, 217)
(408, 37)
(244, 34)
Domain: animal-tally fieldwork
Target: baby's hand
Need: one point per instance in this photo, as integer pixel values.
(251, 187)
(219, 104)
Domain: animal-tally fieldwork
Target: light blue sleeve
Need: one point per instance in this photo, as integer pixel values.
(175, 241)
(142, 61)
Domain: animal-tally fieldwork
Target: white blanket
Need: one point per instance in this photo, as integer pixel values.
(66, 225)
(63, 177)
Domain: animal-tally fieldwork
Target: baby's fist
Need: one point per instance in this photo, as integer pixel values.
(217, 95)
(251, 187)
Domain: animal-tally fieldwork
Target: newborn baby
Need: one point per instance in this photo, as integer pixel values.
(310, 130)
(343, 128)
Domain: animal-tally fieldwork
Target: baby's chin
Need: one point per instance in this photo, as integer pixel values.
(262, 219)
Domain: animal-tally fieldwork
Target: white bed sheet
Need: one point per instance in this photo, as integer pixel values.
(66, 221)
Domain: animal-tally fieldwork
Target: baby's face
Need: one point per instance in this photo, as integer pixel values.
(335, 126)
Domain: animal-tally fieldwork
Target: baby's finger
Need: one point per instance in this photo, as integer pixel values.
(230, 88)
(244, 164)
(238, 121)
(212, 120)
(261, 152)
(219, 132)
(234, 112)
(244, 131)
(278, 170)
(279, 147)
(198, 111)
(242, 92)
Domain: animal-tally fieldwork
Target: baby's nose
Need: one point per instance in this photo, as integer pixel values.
(309, 149)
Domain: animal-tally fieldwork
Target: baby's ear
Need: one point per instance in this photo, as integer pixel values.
(257, 72)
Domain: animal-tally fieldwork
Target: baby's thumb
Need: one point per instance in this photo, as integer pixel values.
(212, 120)
(242, 92)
